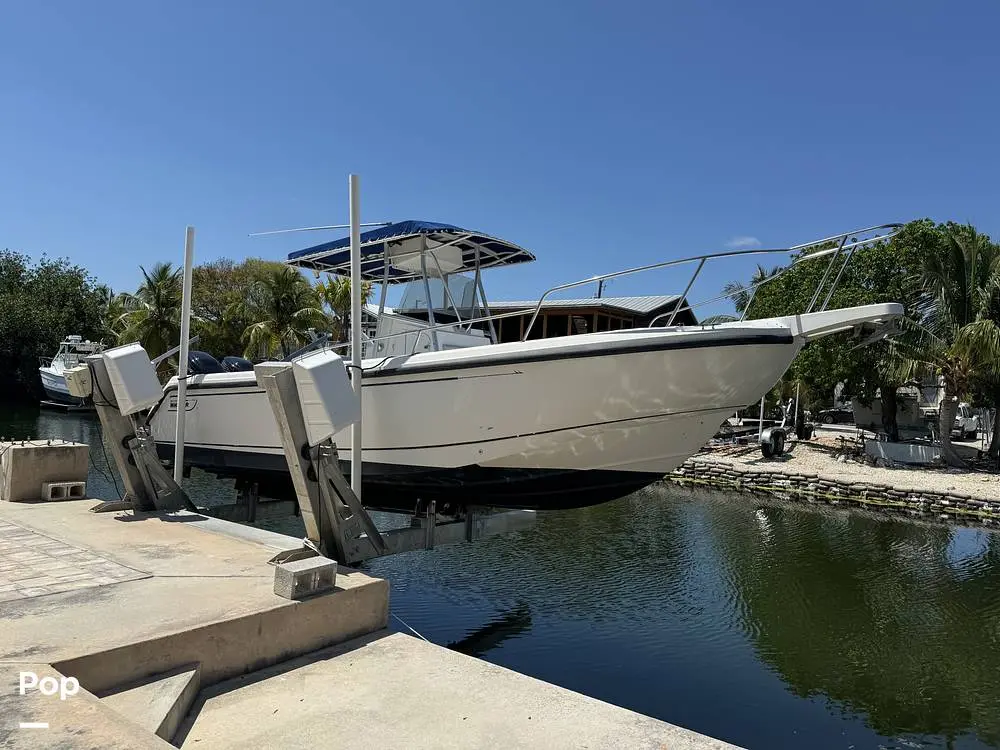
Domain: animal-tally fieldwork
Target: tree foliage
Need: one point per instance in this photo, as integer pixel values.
(884, 272)
(217, 288)
(258, 307)
(282, 306)
(40, 304)
(152, 315)
(336, 295)
(955, 335)
(947, 276)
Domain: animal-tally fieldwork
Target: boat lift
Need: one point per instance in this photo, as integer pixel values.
(312, 400)
(313, 397)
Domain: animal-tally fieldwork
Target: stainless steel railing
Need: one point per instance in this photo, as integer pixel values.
(834, 253)
(702, 259)
(752, 288)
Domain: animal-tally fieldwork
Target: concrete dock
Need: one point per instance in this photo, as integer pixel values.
(170, 625)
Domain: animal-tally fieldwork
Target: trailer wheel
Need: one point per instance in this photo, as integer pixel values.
(772, 442)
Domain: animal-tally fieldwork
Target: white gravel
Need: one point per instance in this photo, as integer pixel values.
(805, 458)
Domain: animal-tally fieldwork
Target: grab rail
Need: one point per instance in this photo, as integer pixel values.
(712, 256)
(671, 315)
(752, 288)
(436, 327)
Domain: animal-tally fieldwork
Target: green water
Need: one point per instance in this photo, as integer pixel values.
(765, 624)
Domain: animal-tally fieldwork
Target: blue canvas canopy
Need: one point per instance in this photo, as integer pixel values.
(453, 249)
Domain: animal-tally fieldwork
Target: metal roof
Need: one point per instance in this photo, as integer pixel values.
(634, 305)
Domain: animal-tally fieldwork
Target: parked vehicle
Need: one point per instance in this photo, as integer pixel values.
(837, 414)
(911, 422)
(966, 423)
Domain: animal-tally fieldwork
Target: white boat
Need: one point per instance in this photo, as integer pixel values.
(540, 423)
(71, 353)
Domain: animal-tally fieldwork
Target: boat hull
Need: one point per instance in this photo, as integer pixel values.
(542, 424)
(54, 385)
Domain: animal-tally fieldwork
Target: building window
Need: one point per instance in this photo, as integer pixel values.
(536, 330)
(508, 329)
(556, 325)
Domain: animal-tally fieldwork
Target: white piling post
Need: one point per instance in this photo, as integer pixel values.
(760, 429)
(182, 365)
(356, 329)
(795, 414)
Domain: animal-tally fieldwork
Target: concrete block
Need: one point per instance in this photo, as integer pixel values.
(64, 490)
(26, 466)
(301, 578)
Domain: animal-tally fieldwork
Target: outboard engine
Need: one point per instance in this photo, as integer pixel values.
(237, 364)
(202, 363)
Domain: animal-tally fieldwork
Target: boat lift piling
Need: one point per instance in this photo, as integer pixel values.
(182, 363)
(357, 373)
(148, 485)
(337, 524)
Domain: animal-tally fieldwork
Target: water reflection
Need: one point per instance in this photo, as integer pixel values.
(764, 624)
(482, 640)
(21, 422)
(898, 621)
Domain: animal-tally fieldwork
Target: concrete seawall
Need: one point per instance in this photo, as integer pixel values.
(169, 629)
(789, 483)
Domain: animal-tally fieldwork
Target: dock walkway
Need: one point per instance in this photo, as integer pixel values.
(170, 624)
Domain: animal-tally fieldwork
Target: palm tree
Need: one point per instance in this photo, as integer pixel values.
(890, 371)
(336, 294)
(110, 311)
(956, 337)
(742, 295)
(151, 316)
(283, 307)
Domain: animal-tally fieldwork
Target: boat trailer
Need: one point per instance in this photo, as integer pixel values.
(312, 400)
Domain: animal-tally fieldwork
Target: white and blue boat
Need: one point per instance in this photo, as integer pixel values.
(454, 416)
(72, 351)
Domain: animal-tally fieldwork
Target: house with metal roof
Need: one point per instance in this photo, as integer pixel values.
(566, 317)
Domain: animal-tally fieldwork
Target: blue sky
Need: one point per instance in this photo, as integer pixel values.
(599, 135)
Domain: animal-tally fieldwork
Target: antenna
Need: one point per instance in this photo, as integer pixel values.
(319, 229)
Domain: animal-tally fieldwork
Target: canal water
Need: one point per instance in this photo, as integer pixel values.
(766, 624)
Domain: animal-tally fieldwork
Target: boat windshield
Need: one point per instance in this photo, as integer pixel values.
(454, 291)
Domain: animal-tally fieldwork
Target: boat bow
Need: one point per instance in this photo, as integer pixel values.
(864, 319)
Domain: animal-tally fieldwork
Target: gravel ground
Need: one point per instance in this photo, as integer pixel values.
(820, 458)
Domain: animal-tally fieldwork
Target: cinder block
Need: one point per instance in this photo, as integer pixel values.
(26, 466)
(302, 578)
(64, 490)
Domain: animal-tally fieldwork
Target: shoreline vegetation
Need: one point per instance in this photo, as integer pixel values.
(256, 308)
(946, 275)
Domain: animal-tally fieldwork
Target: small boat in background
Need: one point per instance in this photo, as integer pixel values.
(72, 351)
